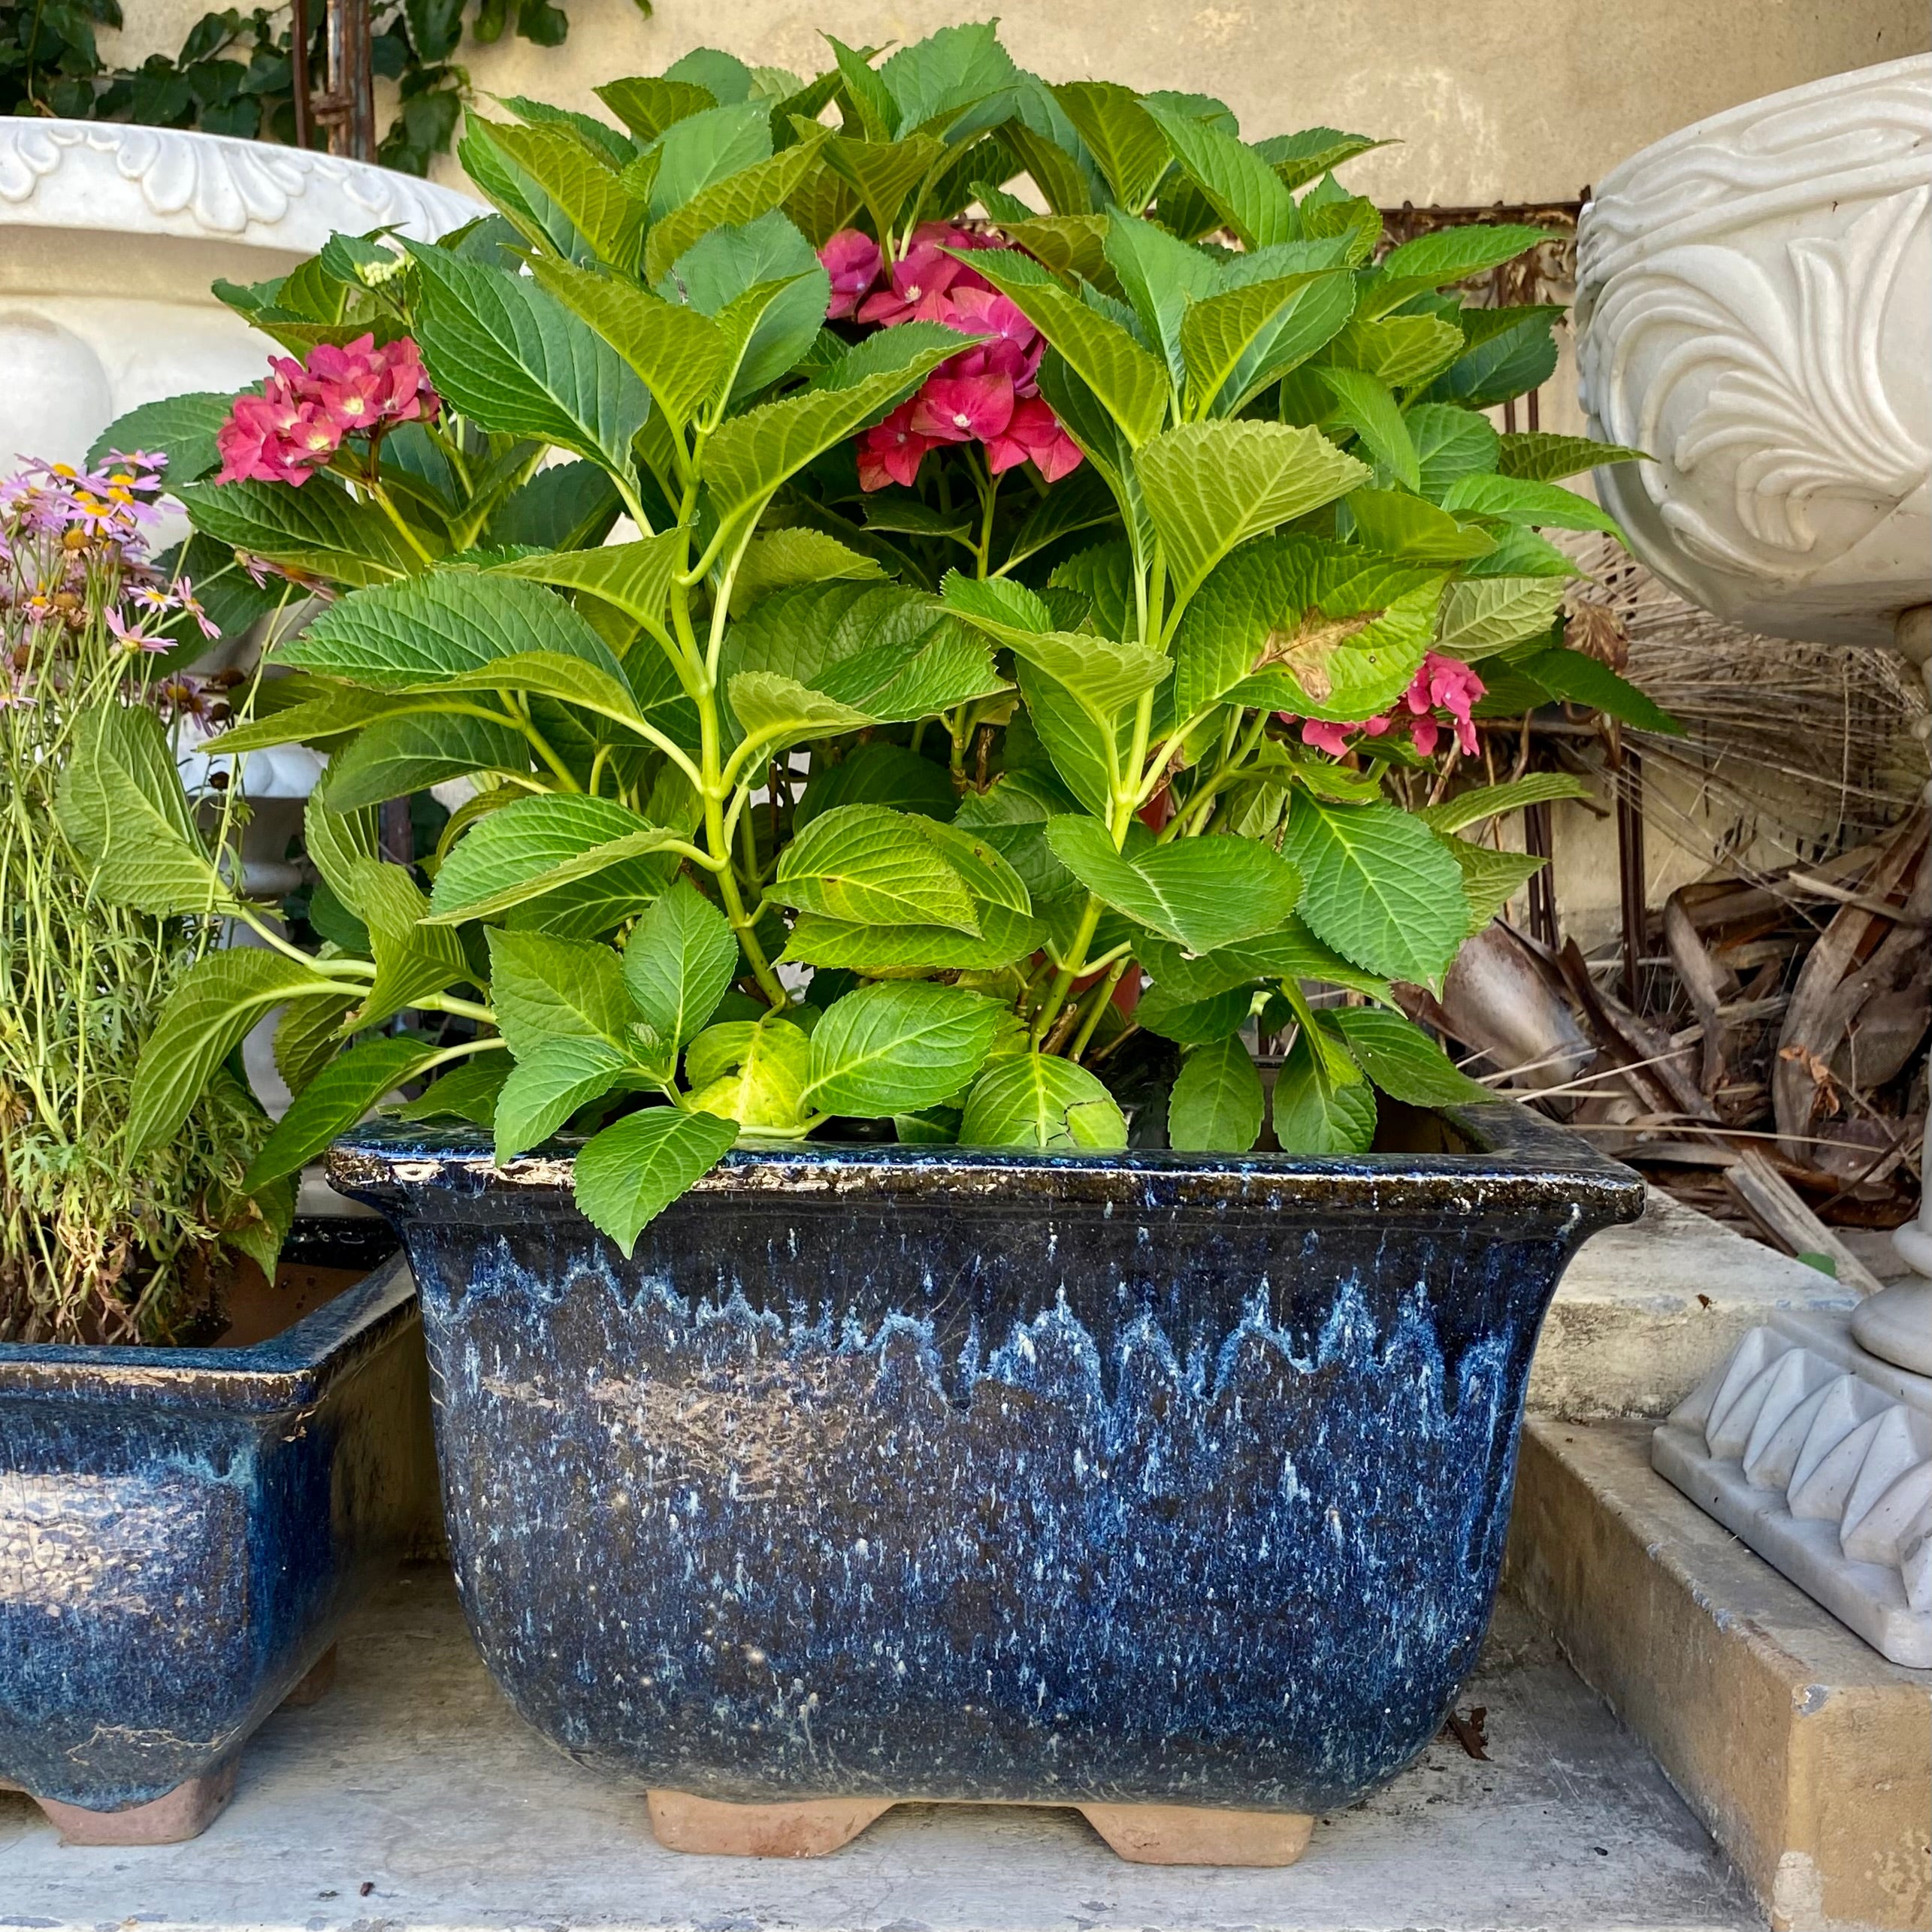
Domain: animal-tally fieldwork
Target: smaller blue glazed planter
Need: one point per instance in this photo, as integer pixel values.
(1137, 1480)
(182, 1531)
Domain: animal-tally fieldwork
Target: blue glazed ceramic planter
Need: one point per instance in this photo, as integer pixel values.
(882, 1473)
(182, 1531)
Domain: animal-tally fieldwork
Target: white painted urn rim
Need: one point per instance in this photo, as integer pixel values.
(119, 177)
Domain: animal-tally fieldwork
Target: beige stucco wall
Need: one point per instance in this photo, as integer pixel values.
(1492, 99)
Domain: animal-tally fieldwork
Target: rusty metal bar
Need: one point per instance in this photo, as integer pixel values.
(1537, 840)
(1627, 773)
(298, 71)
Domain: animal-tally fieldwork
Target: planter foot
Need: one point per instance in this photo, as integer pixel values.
(316, 1684)
(1179, 1834)
(185, 1812)
(808, 1830)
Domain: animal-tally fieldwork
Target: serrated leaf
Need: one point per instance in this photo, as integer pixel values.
(335, 710)
(1402, 1060)
(680, 355)
(541, 844)
(121, 806)
(1517, 500)
(1032, 1100)
(1216, 1104)
(648, 103)
(766, 289)
(627, 1174)
(1291, 953)
(544, 1090)
(308, 1035)
(1218, 334)
(898, 1046)
(1199, 892)
(885, 173)
(1491, 878)
(1583, 679)
(1313, 1113)
(1319, 629)
(866, 865)
(1538, 457)
(182, 428)
(1160, 275)
(320, 529)
(200, 1024)
(1406, 526)
(425, 632)
(734, 201)
(505, 352)
(334, 840)
(411, 751)
(1380, 888)
(635, 577)
(896, 951)
(679, 963)
(1481, 614)
(1491, 801)
(1244, 189)
(1299, 158)
(467, 1091)
(782, 559)
(1402, 352)
(579, 179)
(752, 454)
(1450, 442)
(779, 711)
(544, 988)
(1130, 383)
(413, 959)
(1121, 135)
(1364, 402)
(1516, 353)
(1191, 1023)
(332, 1102)
(1212, 485)
(752, 1072)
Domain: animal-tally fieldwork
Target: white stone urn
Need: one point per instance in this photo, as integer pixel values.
(1754, 309)
(110, 236)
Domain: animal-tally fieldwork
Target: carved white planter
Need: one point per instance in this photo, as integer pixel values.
(109, 236)
(1755, 308)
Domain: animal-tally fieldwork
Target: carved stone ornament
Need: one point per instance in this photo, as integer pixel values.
(1818, 1455)
(109, 236)
(1754, 309)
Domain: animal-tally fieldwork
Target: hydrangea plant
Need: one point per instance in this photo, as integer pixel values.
(903, 649)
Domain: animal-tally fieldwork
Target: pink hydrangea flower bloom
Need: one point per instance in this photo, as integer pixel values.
(852, 261)
(963, 409)
(1033, 433)
(921, 279)
(304, 412)
(1442, 683)
(892, 451)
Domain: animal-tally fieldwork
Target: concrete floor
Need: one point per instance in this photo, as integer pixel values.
(412, 1797)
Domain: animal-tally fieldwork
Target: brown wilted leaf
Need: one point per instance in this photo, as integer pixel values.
(1304, 652)
(1597, 631)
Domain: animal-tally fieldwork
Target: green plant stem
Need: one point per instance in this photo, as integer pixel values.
(1102, 993)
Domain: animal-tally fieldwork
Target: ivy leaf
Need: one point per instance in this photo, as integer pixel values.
(678, 963)
(898, 1046)
(505, 352)
(332, 1102)
(1199, 892)
(200, 1024)
(1032, 1100)
(627, 1174)
(1212, 485)
(1403, 1061)
(1381, 889)
(542, 1092)
(1314, 1113)
(1217, 1103)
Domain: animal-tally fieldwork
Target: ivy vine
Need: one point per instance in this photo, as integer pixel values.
(232, 75)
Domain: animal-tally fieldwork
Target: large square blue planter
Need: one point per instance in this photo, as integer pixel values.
(182, 1532)
(1133, 1482)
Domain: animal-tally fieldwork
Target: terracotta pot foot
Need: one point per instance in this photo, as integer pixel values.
(807, 1830)
(1180, 1834)
(316, 1684)
(185, 1812)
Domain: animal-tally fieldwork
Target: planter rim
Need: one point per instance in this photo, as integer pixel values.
(1511, 1153)
(293, 1370)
